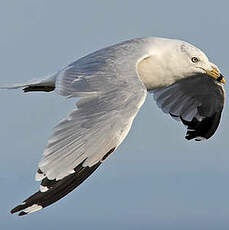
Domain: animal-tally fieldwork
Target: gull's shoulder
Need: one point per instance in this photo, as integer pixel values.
(132, 49)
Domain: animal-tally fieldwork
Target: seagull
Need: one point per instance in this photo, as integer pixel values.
(110, 86)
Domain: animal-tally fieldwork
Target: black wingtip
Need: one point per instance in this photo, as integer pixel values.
(58, 189)
(22, 213)
(18, 208)
(203, 129)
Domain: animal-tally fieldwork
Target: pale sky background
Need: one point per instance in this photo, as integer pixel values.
(156, 179)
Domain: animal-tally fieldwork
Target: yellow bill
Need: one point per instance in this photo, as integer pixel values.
(216, 74)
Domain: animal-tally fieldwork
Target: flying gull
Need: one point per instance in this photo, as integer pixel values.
(112, 85)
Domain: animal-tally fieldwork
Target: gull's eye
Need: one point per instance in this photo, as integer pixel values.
(194, 59)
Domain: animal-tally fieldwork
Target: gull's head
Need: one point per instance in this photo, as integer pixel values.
(172, 60)
(197, 62)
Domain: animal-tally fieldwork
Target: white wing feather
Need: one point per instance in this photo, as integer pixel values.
(110, 95)
(110, 98)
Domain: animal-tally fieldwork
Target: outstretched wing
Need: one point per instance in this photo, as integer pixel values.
(197, 101)
(109, 101)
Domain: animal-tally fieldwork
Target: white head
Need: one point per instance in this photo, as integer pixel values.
(170, 60)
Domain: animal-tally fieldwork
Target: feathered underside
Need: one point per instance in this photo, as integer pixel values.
(197, 101)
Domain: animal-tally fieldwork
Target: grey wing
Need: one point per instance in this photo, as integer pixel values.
(94, 129)
(197, 101)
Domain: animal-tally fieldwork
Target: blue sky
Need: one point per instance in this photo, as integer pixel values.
(156, 179)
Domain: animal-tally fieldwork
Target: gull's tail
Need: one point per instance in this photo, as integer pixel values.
(46, 84)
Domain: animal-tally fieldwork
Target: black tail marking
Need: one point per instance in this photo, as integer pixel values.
(38, 88)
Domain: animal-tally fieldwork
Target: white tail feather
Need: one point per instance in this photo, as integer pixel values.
(47, 81)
